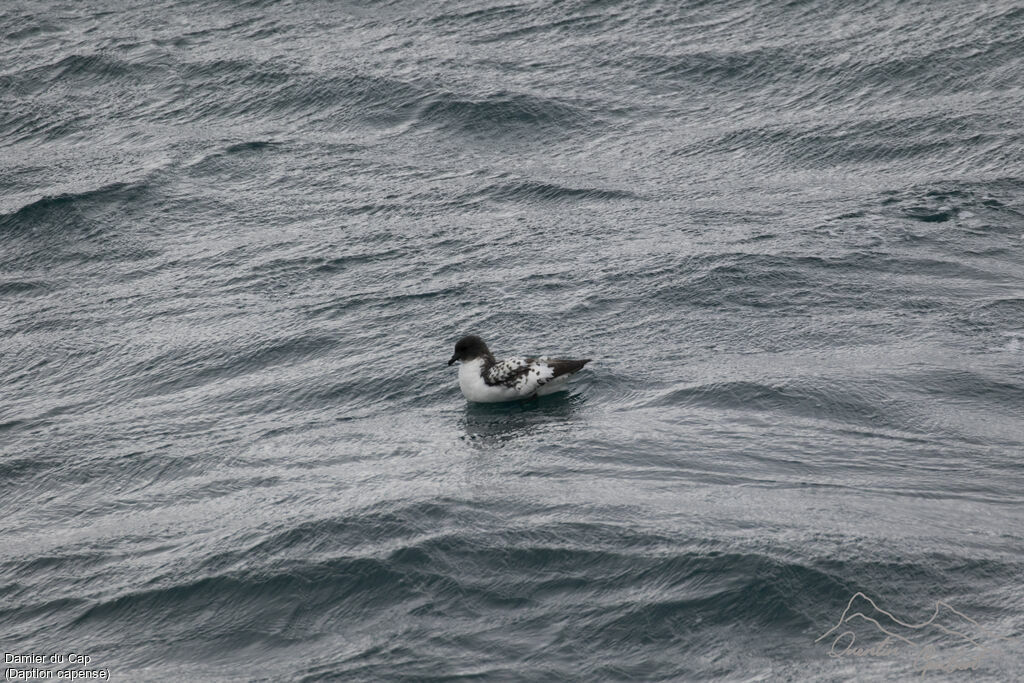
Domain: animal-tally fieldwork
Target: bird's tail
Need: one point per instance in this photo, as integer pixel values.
(566, 367)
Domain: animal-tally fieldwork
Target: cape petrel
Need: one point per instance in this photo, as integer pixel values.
(485, 380)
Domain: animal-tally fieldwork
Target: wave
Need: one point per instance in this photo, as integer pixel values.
(76, 227)
(58, 209)
(857, 402)
(975, 52)
(866, 139)
(446, 574)
(245, 88)
(24, 287)
(533, 191)
(504, 113)
(177, 369)
(91, 69)
(781, 282)
(957, 202)
(592, 590)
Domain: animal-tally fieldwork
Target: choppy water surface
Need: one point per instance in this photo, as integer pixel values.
(240, 239)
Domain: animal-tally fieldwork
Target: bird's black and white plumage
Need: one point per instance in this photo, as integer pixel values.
(485, 380)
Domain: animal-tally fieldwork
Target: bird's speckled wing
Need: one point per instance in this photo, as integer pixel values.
(524, 375)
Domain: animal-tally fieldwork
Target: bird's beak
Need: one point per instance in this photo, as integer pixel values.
(454, 358)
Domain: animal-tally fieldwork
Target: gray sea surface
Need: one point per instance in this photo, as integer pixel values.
(238, 241)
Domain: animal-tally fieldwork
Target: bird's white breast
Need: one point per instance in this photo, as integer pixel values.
(475, 389)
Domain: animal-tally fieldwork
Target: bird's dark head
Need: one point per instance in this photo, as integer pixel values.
(469, 348)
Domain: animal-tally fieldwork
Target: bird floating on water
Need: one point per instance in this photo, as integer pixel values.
(485, 380)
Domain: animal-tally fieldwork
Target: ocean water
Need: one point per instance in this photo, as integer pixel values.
(238, 241)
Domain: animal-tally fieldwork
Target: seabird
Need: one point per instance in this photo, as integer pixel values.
(485, 380)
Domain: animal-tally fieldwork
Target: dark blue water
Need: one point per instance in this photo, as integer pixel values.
(238, 241)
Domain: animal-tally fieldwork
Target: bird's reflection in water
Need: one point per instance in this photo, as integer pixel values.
(495, 424)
